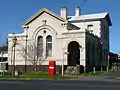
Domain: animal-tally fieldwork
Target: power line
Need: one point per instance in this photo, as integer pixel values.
(83, 5)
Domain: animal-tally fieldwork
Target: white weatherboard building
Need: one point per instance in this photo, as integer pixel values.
(70, 40)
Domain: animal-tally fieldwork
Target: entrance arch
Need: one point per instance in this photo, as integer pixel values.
(74, 53)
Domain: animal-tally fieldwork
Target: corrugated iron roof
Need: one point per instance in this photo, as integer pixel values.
(91, 17)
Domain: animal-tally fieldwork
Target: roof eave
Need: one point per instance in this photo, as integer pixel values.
(107, 17)
(84, 20)
(73, 25)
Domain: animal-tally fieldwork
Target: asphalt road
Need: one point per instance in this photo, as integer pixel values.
(58, 85)
(110, 81)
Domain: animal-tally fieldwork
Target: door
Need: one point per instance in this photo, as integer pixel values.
(74, 53)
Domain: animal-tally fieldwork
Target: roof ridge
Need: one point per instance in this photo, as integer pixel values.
(90, 14)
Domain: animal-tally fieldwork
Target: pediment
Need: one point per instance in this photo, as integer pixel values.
(44, 10)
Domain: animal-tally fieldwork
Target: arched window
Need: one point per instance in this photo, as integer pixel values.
(49, 46)
(40, 46)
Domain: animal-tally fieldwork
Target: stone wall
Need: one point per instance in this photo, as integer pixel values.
(30, 68)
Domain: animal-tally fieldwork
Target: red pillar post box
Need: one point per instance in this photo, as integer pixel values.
(52, 68)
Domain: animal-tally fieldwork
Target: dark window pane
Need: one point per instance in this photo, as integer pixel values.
(40, 46)
(90, 27)
(49, 38)
(48, 46)
(40, 39)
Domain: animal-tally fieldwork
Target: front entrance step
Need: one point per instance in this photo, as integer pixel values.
(72, 70)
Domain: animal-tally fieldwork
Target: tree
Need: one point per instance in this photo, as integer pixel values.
(33, 54)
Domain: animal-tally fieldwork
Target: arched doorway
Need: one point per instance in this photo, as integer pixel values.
(74, 53)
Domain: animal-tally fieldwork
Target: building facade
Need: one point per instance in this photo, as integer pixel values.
(70, 40)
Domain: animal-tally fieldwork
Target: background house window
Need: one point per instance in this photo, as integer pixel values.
(90, 28)
(49, 46)
(40, 45)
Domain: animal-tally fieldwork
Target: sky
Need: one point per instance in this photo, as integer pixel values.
(13, 13)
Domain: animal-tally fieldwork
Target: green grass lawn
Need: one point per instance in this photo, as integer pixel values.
(45, 75)
(33, 75)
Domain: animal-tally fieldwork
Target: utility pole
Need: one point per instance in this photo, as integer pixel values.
(26, 52)
(108, 63)
(2, 56)
(14, 44)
